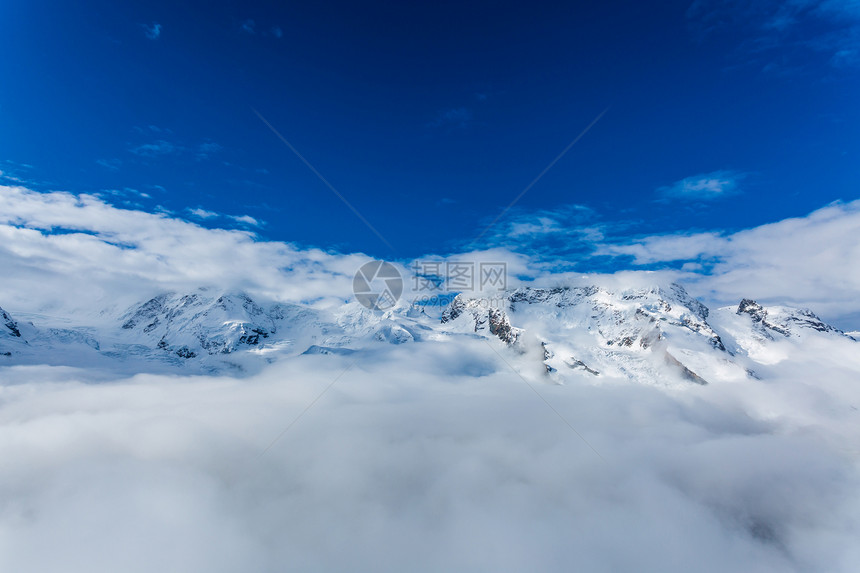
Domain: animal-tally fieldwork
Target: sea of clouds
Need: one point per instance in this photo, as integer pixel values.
(419, 457)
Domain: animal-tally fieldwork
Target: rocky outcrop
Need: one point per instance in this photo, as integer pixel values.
(782, 320)
(8, 325)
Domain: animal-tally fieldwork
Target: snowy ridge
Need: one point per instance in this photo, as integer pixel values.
(10, 334)
(652, 334)
(646, 334)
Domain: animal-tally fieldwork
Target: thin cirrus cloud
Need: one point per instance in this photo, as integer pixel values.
(207, 148)
(162, 148)
(456, 117)
(780, 35)
(205, 214)
(156, 148)
(112, 164)
(152, 31)
(703, 187)
(250, 27)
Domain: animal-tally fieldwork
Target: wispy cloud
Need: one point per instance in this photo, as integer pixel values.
(11, 178)
(164, 147)
(779, 35)
(153, 129)
(201, 213)
(207, 148)
(152, 31)
(563, 232)
(459, 117)
(112, 164)
(205, 214)
(13, 172)
(277, 32)
(246, 220)
(126, 192)
(248, 26)
(156, 148)
(703, 187)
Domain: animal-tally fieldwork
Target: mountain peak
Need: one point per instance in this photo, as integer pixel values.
(783, 320)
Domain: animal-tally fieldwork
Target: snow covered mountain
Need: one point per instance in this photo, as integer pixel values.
(651, 334)
(648, 333)
(10, 334)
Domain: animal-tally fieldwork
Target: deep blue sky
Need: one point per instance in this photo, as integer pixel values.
(431, 117)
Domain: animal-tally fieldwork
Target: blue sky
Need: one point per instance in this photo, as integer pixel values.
(431, 118)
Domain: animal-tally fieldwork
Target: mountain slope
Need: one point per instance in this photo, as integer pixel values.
(649, 333)
(586, 333)
(10, 334)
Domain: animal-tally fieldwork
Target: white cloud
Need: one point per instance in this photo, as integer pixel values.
(430, 457)
(811, 261)
(704, 187)
(10, 177)
(106, 255)
(247, 220)
(422, 457)
(203, 213)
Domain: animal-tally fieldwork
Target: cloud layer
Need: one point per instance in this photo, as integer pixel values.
(425, 457)
(59, 249)
(809, 261)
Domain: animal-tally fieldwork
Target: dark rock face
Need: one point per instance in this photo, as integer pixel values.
(10, 324)
(805, 318)
(579, 364)
(186, 352)
(500, 326)
(787, 321)
(685, 372)
(752, 308)
(486, 316)
(759, 316)
(146, 313)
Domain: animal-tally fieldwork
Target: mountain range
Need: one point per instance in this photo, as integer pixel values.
(592, 332)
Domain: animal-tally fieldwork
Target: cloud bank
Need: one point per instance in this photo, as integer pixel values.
(59, 249)
(425, 457)
(809, 261)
